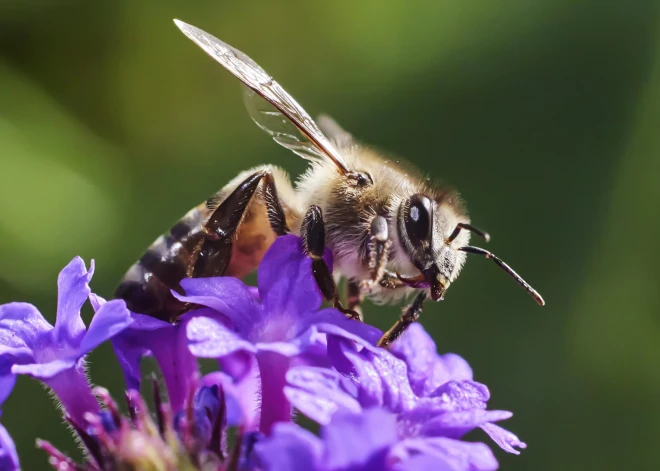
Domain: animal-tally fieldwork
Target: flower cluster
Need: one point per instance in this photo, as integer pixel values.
(278, 352)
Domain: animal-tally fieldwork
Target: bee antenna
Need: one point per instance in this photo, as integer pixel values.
(479, 251)
(468, 227)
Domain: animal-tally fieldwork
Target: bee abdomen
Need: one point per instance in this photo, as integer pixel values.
(147, 285)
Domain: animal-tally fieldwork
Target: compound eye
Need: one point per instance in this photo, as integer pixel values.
(364, 179)
(418, 216)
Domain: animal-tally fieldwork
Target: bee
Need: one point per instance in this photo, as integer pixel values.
(392, 233)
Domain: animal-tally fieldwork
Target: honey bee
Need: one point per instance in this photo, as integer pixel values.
(391, 232)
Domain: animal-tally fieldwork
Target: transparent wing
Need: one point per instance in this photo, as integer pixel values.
(281, 110)
(329, 127)
(281, 129)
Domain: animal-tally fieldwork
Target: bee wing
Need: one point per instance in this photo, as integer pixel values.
(279, 126)
(304, 138)
(339, 136)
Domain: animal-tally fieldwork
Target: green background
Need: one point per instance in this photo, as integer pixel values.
(545, 114)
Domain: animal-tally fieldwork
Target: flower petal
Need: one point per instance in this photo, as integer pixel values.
(382, 378)
(226, 295)
(320, 392)
(108, 321)
(10, 356)
(285, 278)
(290, 448)
(331, 321)
(22, 325)
(449, 367)
(371, 390)
(237, 364)
(454, 454)
(426, 369)
(286, 349)
(8, 455)
(392, 371)
(208, 338)
(423, 463)
(459, 395)
(7, 382)
(354, 440)
(505, 439)
(129, 350)
(44, 371)
(241, 397)
(167, 343)
(457, 424)
(129, 344)
(72, 292)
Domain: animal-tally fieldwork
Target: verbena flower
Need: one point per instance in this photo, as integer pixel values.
(202, 423)
(166, 342)
(55, 355)
(373, 377)
(189, 441)
(269, 334)
(404, 410)
(428, 372)
(8, 456)
(366, 441)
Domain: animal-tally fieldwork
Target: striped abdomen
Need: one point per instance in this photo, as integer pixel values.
(228, 235)
(147, 284)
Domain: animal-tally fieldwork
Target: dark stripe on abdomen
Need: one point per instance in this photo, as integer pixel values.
(147, 285)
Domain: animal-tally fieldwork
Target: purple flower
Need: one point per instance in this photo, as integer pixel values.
(366, 441)
(8, 456)
(115, 442)
(426, 369)
(55, 355)
(166, 342)
(193, 439)
(266, 335)
(201, 424)
(429, 372)
(373, 377)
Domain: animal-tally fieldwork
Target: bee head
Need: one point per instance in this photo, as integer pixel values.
(425, 226)
(435, 234)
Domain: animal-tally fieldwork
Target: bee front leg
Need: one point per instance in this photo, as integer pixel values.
(355, 298)
(378, 245)
(313, 234)
(409, 315)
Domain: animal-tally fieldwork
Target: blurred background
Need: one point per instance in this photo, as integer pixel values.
(544, 114)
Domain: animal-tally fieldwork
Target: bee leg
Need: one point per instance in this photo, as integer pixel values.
(409, 315)
(274, 209)
(378, 245)
(389, 280)
(355, 297)
(313, 234)
(213, 252)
